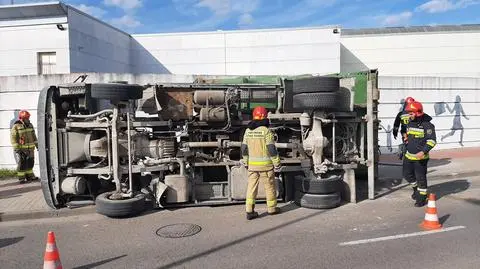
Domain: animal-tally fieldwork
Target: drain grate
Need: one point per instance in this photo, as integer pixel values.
(178, 230)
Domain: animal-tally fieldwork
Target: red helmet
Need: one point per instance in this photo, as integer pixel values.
(23, 115)
(416, 108)
(259, 113)
(409, 100)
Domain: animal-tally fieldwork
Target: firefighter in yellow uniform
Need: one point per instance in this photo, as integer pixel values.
(261, 158)
(24, 142)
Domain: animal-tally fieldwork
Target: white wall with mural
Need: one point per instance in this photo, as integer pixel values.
(453, 103)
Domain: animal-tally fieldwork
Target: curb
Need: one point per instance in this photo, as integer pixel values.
(42, 214)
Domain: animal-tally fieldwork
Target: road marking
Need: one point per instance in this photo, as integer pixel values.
(364, 241)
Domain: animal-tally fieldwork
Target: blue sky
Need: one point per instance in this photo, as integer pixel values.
(153, 16)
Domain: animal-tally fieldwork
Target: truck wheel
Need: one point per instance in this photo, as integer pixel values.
(317, 201)
(324, 100)
(315, 84)
(331, 184)
(119, 208)
(116, 91)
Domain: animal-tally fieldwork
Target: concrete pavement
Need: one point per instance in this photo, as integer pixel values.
(26, 201)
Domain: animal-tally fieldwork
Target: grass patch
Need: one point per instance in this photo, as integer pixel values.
(7, 173)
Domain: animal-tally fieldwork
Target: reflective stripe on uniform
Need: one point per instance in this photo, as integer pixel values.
(250, 201)
(405, 118)
(431, 143)
(413, 184)
(20, 173)
(417, 132)
(259, 163)
(25, 146)
(271, 203)
(29, 172)
(21, 131)
(413, 157)
(422, 191)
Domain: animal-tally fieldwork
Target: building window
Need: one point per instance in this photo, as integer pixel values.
(47, 62)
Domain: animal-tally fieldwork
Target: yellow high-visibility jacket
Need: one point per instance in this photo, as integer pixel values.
(22, 136)
(258, 149)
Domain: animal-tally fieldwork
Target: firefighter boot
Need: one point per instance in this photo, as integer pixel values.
(273, 210)
(253, 214)
(415, 193)
(421, 200)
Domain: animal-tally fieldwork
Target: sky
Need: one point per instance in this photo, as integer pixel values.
(157, 16)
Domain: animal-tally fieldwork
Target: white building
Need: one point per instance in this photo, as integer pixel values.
(432, 64)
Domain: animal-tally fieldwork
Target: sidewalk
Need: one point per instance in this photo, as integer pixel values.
(444, 164)
(452, 162)
(25, 201)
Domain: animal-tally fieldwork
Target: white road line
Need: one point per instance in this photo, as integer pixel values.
(364, 241)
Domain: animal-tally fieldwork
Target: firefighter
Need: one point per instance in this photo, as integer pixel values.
(260, 156)
(24, 141)
(421, 138)
(401, 121)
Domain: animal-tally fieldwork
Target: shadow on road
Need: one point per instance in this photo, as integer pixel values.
(439, 162)
(4, 242)
(92, 265)
(14, 183)
(450, 187)
(472, 201)
(443, 219)
(12, 192)
(240, 240)
(283, 209)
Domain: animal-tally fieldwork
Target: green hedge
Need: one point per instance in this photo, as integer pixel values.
(7, 173)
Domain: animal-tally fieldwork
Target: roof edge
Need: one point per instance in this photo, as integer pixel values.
(67, 7)
(411, 30)
(239, 31)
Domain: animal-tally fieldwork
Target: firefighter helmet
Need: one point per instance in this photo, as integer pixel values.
(23, 115)
(409, 100)
(259, 113)
(416, 108)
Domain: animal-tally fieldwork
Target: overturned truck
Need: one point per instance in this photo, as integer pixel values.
(124, 147)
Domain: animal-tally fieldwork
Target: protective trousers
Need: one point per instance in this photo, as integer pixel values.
(268, 178)
(415, 172)
(25, 161)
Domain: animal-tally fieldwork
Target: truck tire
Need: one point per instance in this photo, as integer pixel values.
(116, 91)
(317, 201)
(315, 84)
(323, 100)
(331, 184)
(119, 208)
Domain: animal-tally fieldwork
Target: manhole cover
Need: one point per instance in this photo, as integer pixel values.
(179, 230)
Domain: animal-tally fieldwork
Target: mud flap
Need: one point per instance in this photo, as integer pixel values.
(160, 189)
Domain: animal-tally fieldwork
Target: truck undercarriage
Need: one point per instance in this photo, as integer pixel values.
(126, 146)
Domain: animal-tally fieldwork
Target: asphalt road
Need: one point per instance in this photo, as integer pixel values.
(298, 238)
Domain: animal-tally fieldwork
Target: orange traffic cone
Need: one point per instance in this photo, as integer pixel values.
(431, 218)
(51, 260)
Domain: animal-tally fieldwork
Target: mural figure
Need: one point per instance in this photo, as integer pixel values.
(15, 117)
(457, 119)
(402, 105)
